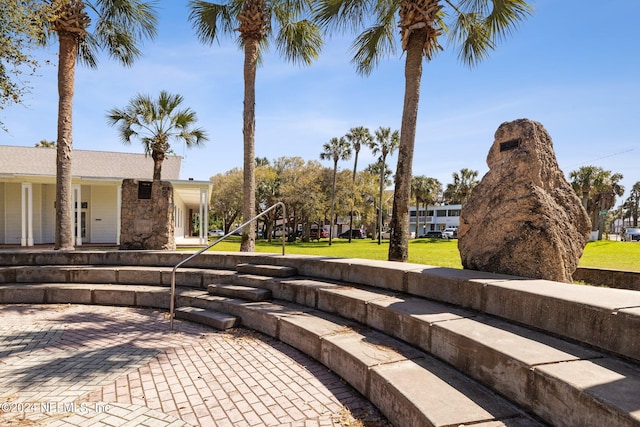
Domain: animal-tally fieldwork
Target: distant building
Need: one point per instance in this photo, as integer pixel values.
(434, 218)
(28, 194)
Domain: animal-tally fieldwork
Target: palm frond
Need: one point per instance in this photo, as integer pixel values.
(121, 24)
(119, 43)
(474, 38)
(500, 16)
(88, 51)
(288, 10)
(480, 24)
(138, 17)
(343, 15)
(371, 46)
(299, 42)
(208, 19)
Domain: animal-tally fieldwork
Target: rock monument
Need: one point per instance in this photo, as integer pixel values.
(147, 215)
(523, 218)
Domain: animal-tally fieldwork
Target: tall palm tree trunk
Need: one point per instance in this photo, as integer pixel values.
(353, 194)
(379, 219)
(333, 202)
(249, 132)
(66, 76)
(399, 242)
(418, 217)
(158, 158)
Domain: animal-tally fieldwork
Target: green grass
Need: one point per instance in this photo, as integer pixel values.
(612, 255)
(444, 253)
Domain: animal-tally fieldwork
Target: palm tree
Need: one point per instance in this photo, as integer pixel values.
(384, 145)
(118, 26)
(583, 180)
(357, 136)
(257, 21)
(418, 189)
(426, 190)
(335, 150)
(46, 144)
(156, 122)
(459, 191)
(632, 204)
(597, 188)
(477, 27)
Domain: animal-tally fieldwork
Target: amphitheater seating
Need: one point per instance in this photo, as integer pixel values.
(427, 345)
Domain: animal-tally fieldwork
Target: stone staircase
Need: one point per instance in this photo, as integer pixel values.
(426, 345)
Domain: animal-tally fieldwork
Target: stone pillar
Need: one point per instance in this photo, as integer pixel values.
(523, 218)
(147, 215)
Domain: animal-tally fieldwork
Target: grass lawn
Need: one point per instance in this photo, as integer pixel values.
(444, 253)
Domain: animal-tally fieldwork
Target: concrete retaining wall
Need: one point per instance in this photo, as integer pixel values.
(609, 278)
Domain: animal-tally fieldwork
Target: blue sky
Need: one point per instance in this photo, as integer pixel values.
(572, 66)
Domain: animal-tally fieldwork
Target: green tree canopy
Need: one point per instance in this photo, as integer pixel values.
(226, 201)
(22, 24)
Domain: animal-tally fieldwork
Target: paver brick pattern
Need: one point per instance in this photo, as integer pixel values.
(95, 365)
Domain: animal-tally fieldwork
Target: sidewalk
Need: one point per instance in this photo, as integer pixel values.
(74, 365)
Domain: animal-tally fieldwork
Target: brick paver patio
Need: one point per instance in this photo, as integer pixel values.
(80, 365)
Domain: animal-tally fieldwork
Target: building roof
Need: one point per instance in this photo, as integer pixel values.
(84, 163)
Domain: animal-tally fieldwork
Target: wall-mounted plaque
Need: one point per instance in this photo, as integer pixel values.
(510, 145)
(144, 189)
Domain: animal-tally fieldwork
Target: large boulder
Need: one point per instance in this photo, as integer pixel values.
(523, 218)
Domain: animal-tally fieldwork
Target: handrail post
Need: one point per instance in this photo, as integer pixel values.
(172, 295)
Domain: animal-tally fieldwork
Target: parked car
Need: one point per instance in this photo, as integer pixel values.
(451, 233)
(355, 234)
(318, 233)
(387, 234)
(435, 234)
(631, 234)
(216, 233)
(277, 232)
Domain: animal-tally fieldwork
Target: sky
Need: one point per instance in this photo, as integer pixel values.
(572, 66)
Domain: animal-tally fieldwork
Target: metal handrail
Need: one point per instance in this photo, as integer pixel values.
(173, 272)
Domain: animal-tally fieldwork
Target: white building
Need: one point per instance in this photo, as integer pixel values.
(434, 218)
(28, 193)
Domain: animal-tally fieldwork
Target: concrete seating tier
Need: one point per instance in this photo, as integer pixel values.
(427, 345)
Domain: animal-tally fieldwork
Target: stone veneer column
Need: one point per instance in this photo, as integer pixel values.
(147, 215)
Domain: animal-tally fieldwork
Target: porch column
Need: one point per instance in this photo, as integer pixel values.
(204, 216)
(76, 202)
(26, 238)
(118, 214)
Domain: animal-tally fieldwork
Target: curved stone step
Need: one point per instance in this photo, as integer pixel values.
(110, 274)
(216, 320)
(237, 291)
(85, 293)
(267, 270)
